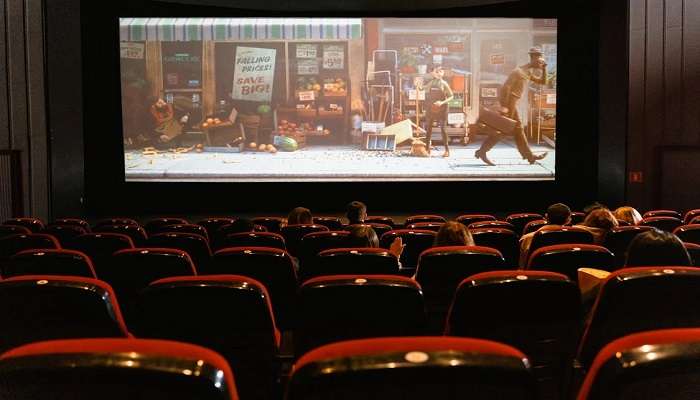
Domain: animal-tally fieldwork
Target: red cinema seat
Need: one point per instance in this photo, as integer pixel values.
(639, 299)
(332, 223)
(563, 235)
(46, 307)
(342, 307)
(10, 230)
(72, 221)
(424, 218)
(48, 262)
(662, 213)
(577, 217)
(229, 314)
(413, 368)
(428, 226)
(115, 369)
(272, 224)
(154, 225)
(690, 215)
(688, 233)
(538, 312)
(663, 223)
(316, 242)
(182, 228)
(350, 261)
(212, 225)
(64, 233)
(661, 364)
(294, 233)
(568, 258)
(271, 267)
(415, 240)
(252, 239)
(380, 219)
(501, 239)
(136, 233)
(33, 224)
(11, 245)
(491, 224)
(196, 246)
(619, 239)
(100, 246)
(468, 219)
(694, 252)
(116, 221)
(519, 220)
(441, 269)
(534, 225)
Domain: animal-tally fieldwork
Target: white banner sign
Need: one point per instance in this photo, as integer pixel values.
(131, 50)
(254, 74)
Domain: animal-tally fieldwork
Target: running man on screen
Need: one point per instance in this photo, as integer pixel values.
(511, 91)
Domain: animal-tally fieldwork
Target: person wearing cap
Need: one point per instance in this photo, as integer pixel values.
(511, 91)
(437, 94)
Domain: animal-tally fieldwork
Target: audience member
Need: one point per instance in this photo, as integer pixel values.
(300, 216)
(599, 222)
(365, 236)
(453, 234)
(593, 206)
(657, 248)
(557, 216)
(241, 225)
(627, 214)
(356, 213)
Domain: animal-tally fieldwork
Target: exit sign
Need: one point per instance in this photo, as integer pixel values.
(636, 177)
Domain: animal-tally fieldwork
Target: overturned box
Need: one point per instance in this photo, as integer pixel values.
(390, 136)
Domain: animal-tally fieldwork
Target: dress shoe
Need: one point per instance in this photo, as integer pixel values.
(537, 157)
(482, 156)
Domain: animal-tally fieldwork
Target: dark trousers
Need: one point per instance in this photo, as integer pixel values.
(518, 133)
(442, 121)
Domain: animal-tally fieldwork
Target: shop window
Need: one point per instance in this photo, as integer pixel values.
(182, 65)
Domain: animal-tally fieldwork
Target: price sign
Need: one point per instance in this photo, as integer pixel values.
(333, 57)
(498, 59)
(455, 118)
(307, 67)
(307, 51)
(437, 58)
(131, 50)
(373, 127)
(440, 50)
(414, 94)
(307, 95)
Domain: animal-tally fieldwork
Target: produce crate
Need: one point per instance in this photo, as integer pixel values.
(306, 113)
(328, 113)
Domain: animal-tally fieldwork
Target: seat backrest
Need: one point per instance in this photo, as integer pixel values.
(252, 239)
(11, 245)
(294, 233)
(332, 223)
(48, 262)
(272, 224)
(534, 225)
(350, 261)
(316, 242)
(153, 225)
(662, 213)
(135, 232)
(116, 221)
(100, 246)
(85, 369)
(33, 224)
(196, 246)
(429, 226)
(690, 214)
(72, 221)
(688, 233)
(638, 299)
(411, 369)
(271, 267)
(694, 252)
(424, 218)
(380, 219)
(577, 217)
(563, 235)
(501, 239)
(182, 228)
(619, 239)
(212, 225)
(468, 219)
(9, 230)
(664, 223)
(519, 220)
(660, 364)
(491, 224)
(342, 307)
(415, 240)
(568, 258)
(46, 307)
(64, 233)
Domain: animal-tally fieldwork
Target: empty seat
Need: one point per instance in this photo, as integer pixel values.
(662, 213)
(11, 245)
(44, 307)
(136, 233)
(332, 223)
(694, 252)
(195, 245)
(429, 226)
(48, 262)
(33, 224)
(661, 364)
(441, 269)
(563, 235)
(64, 233)
(367, 261)
(664, 223)
(380, 219)
(640, 299)
(415, 368)
(271, 267)
(501, 239)
(415, 240)
(342, 307)
(114, 369)
(423, 218)
(272, 224)
(252, 239)
(619, 239)
(116, 221)
(568, 258)
(537, 312)
(491, 224)
(153, 225)
(468, 219)
(72, 221)
(182, 228)
(534, 225)
(9, 230)
(519, 220)
(212, 225)
(316, 242)
(227, 313)
(688, 233)
(690, 215)
(294, 233)
(577, 217)
(100, 246)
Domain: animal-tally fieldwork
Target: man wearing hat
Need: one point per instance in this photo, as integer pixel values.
(511, 91)
(437, 95)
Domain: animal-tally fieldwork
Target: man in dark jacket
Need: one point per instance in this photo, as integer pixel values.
(511, 91)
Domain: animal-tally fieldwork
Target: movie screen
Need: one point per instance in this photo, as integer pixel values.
(338, 99)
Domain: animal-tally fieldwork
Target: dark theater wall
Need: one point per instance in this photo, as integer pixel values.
(663, 141)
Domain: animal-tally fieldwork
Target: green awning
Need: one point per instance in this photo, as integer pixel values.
(195, 29)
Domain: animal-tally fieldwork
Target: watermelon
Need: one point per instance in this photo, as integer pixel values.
(285, 143)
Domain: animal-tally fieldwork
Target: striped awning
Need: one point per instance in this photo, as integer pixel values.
(194, 29)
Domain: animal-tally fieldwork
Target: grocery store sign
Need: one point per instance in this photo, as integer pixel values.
(131, 50)
(254, 73)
